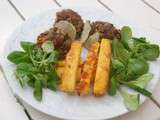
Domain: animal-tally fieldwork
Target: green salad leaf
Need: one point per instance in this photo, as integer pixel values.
(131, 100)
(142, 81)
(139, 40)
(43, 78)
(22, 78)
(18, 57)
(114, 85)
(117, 65)
(27, 46)
(148, 51)
(37, 90)
(53, 80)
(119, 52)
(26, 68)
(126, 36)
(136, 68)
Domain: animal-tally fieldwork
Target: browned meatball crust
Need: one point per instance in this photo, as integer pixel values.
(72, 17)
(58, 37)
(54, 34)
(106, 30)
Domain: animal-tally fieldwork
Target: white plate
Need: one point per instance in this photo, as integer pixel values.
(60, 104)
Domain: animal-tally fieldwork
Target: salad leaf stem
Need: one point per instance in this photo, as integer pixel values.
(136, 88)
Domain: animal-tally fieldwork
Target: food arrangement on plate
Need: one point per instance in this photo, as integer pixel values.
(114, 58)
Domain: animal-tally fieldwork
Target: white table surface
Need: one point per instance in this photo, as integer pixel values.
(135, 10)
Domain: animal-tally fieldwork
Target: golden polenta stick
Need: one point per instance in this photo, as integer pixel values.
(103, 68)
(79, 74)
(69, 76)
(61, 63)
(60, 71)
(88, 70)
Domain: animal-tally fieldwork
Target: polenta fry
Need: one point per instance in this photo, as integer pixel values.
(88, 69)
(103, 68)
(69, 76)
(61, 63)
(60, 71)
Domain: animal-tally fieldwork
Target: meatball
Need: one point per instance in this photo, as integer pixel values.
(60, 40)
(106, 30)
(72, 17)
(54, 34)
(63, 50)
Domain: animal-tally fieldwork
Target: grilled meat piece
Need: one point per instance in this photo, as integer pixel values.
(106, 30)
(54, 34)
(72, 17)
(64, 48)
(60, 40)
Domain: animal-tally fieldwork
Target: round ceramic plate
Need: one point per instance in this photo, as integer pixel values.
(60, 104)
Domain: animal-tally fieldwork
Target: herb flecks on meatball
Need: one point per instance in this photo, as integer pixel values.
(60, 40)
(106, 30)
(55, 35)
(72, 17)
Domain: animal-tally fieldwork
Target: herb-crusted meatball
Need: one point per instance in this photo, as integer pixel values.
(60, 40)
(54, 34)
(72, 17)
(106, 30)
